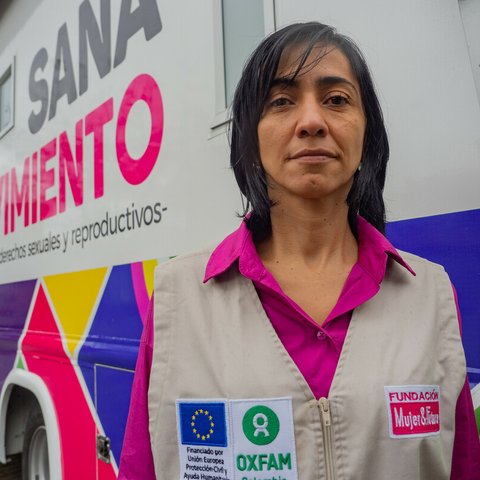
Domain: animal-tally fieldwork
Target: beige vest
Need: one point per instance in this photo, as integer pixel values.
(214, 340)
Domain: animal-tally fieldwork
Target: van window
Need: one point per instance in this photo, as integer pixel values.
(6, 100)
(470, 11)
(243, 29)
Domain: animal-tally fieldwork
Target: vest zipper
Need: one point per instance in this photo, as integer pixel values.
(324, 406)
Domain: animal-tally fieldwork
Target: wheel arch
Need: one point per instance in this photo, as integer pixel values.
(37, 388)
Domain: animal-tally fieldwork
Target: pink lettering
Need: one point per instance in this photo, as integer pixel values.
(94, 123)
(71, 167)
(143, 87)
(34, 187)
(4, 195)
(48, 206)
(39, 191)
(20, 199)
(6, 192)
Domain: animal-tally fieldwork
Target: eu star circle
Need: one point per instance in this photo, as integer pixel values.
(202, 424)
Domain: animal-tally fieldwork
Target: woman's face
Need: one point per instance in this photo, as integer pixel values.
(311, 131)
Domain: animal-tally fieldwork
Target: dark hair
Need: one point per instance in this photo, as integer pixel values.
(365, 197)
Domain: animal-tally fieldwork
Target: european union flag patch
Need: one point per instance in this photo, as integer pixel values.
(203, 423)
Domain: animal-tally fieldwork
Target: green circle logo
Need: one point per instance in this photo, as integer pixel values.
(260, 425)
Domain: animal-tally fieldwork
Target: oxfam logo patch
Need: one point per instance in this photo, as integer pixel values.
(260, 425)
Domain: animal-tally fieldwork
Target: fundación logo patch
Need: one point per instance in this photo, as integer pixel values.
(223, 439)
(413, 410)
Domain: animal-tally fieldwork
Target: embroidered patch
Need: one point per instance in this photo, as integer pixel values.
(263, 439)
(203, 423)
(204, 443)
(236, 439)
(413, 410)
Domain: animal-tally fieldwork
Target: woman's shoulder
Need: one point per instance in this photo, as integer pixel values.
(185, 277)
(417, 262)
(192, 263)
(425, 273)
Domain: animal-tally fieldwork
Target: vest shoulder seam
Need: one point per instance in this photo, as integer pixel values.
(188, 258)
(412, 258)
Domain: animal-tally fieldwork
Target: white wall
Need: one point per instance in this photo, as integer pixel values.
(470, 10)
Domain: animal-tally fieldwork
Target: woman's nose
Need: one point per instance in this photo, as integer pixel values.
(311, 120)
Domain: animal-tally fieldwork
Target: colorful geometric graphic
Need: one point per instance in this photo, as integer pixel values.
(45, 354)
(81, 336)
(113, 400)
(74, 296)
(142, 276)
(15, 300)
(112, 342)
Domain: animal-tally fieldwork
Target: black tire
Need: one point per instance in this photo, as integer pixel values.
(13, 469)
(35, 464)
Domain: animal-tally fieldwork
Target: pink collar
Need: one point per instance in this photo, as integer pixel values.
(373, 252)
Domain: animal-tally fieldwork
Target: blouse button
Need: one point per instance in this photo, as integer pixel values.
(321, 335)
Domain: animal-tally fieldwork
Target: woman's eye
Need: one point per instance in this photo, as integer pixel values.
(338, 100)
(280, 102)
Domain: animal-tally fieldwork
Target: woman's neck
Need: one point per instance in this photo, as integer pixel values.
(315, 237)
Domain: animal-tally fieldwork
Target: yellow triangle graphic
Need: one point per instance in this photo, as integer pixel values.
(74, 296)
(148, 269)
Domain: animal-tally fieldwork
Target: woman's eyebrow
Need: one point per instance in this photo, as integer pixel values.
(286, 82)
(334, 80)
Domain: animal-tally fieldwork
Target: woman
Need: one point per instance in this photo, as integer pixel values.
(304, 346)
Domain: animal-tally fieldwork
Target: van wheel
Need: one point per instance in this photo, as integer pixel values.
(35, 464)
